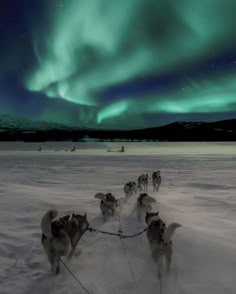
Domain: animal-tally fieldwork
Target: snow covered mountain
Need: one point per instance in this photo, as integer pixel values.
(8, 122)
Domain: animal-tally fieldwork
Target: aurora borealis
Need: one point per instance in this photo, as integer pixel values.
(118, 64)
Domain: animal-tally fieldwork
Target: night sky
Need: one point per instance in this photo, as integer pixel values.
(118, 64)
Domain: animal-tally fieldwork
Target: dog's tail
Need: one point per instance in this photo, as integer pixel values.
(148, 200)
(100, 196)
(169, 232)
(46, 222)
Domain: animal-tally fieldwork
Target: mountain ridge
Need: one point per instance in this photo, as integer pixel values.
(21, 129)
(11, 122)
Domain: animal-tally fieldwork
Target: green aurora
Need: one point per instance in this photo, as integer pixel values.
(84, 48)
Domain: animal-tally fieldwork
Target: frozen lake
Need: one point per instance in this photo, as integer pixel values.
(198, 190)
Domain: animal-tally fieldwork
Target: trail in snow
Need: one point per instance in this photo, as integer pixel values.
(198, 191)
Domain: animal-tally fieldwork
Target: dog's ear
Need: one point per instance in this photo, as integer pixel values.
(85, 215)
(157, 213)
(73, 215)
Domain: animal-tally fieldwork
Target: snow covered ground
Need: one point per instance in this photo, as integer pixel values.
(198, 191)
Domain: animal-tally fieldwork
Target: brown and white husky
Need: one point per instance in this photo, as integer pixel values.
(143, 182)
(160, 239)
(130, 188)
(156, 180)
(108, 204)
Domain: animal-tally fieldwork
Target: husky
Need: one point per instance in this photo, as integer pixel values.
(65, 219)
(156, 180)
(108, 204)
(159, 238)
(130, 188)
(143, 182)
(75, 227)
(55, 240)
(144, 203)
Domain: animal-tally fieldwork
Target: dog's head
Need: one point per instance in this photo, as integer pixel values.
(110, 201)
(81, 220)
(151, 216)
(110, 197)
(156, 225)
(156, 174)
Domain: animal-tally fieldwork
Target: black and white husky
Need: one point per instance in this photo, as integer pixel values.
(55, 240)
(108, 204)
(75, 227)
(143, 182)
(61, 236)
(159, 238)
(144, 203)
(130, 188)
(156, 180)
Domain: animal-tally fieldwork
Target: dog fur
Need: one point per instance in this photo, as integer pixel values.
(55, 240)
(144, 203)
(108, 204)
(61, 236)
(75, 227)
(160, 239)
(130, 188)
(143, 182)
(156, 180)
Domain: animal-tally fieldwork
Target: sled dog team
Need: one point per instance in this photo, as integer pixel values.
(60, 236)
